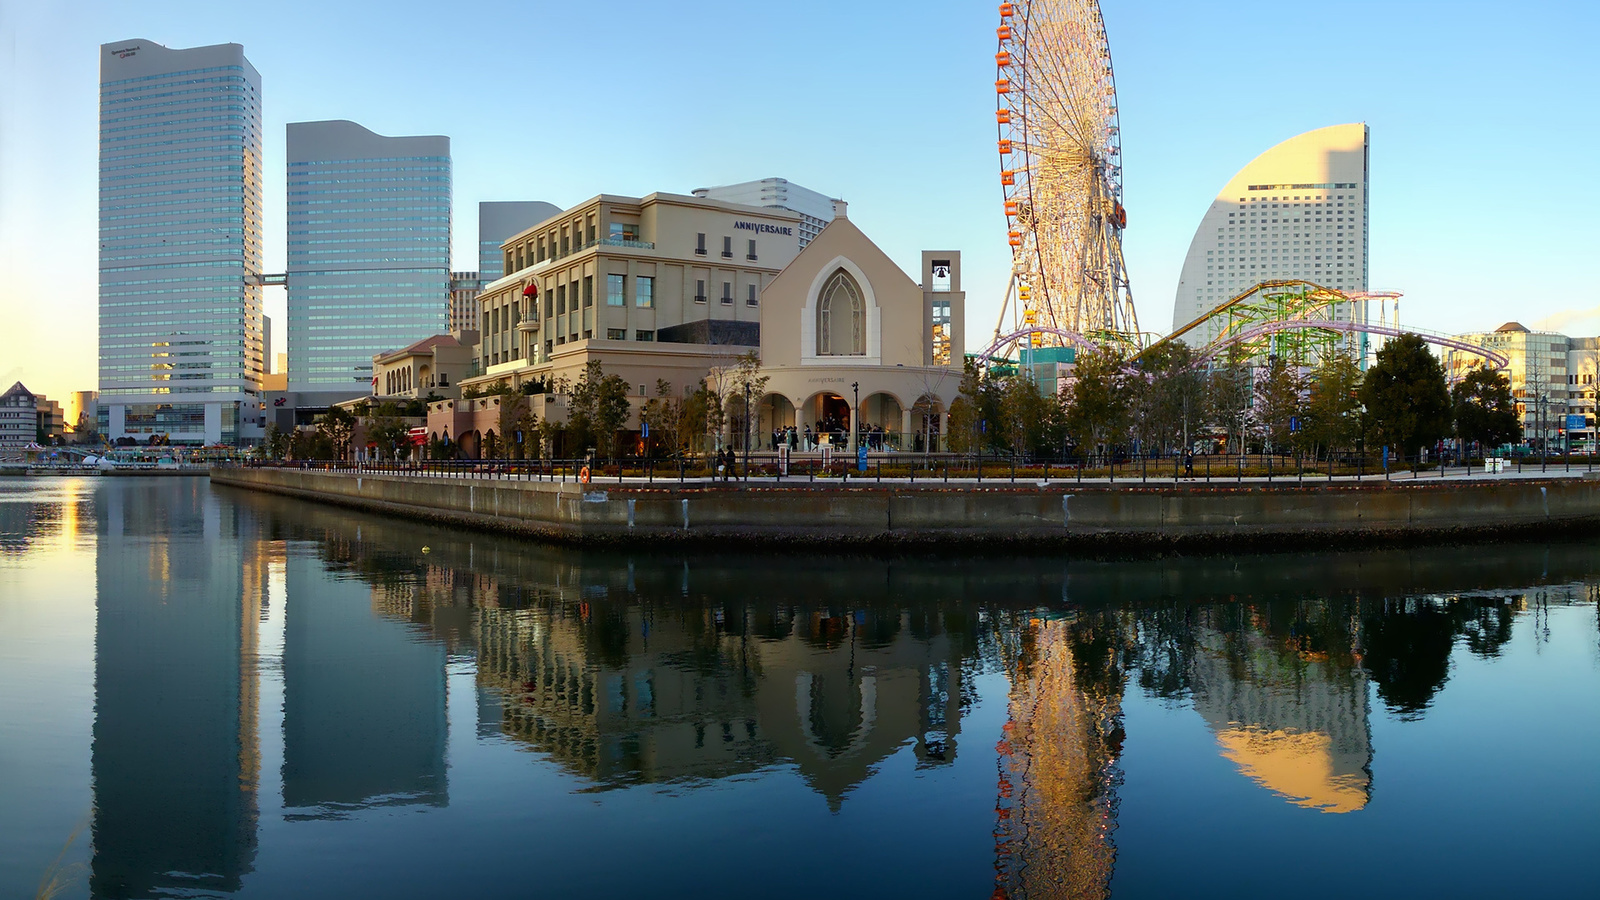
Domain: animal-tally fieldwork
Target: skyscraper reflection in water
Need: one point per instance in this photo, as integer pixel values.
(1288, 700)
(175, 761)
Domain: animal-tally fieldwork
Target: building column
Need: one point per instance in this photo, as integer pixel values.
(944, 424)
(907, 438)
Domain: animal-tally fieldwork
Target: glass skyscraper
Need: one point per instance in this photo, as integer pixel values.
(369, 249)
(180, 243)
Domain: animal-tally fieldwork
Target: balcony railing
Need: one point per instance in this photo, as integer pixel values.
(601, 242)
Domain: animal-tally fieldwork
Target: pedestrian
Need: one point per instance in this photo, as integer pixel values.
(1188, 463)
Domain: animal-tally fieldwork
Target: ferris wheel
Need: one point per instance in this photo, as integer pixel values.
(1061, 170)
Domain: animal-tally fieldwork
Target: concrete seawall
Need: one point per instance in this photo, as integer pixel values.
(1066, 515)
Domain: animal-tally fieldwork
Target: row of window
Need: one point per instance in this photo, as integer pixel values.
(160, 75)
(323, 192)
(146, 128)
(621, 334)
(155, 169)
(167, 138)
(727, 247)
(417, 179)
(301, 163)
(235, 92)
(303, 219)
(188, 108)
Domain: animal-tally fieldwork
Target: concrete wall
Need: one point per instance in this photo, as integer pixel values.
(1126, 518)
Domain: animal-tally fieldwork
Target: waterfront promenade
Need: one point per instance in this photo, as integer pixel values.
(997, 512)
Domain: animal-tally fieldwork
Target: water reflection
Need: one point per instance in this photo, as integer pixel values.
(364, 699)
(175, 758)
(637, 670)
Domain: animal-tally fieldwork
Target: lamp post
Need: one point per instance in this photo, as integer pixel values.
(855, 417)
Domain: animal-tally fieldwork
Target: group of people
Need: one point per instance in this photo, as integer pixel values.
(805, 439)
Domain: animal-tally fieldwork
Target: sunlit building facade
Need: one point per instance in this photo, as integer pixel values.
(368, 249)
(1298, 211)
(181, 332)
(1553, 381)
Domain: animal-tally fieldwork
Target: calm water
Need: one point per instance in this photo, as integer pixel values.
(226, 694)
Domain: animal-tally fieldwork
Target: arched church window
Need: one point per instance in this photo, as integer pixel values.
(841, 318)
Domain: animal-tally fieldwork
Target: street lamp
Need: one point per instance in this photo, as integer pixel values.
(855, 417)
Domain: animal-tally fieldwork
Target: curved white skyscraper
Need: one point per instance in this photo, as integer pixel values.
(1298, 210)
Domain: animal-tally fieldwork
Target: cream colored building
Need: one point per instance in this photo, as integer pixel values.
(844, 322)
(431, 366)
(1552, 376)
(663, 286)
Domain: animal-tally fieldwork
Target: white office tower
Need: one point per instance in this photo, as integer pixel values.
(369, 250)
(816, 210)
(1298, 211)
(180, 243)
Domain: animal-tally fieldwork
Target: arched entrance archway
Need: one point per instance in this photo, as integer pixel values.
(775, 413)
(828, 416)
(882, 421)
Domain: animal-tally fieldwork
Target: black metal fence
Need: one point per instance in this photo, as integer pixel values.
(948, 468)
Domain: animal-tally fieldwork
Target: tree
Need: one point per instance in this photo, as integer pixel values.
(966, 411)
(516, 423)
(1483, 410)
(387, 431)
(1168, 396)
(597, 409)
(1029, 421)
(1229, 393)
(1278, 400)
(1097, 402)
(275, 444)
(337, 425)
(699, 415)
(1408, 405)
(1333, 405)
(662, 416)
(744, 380)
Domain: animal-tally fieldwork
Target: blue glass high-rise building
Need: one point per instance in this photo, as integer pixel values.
(368, 249)
(180, 243)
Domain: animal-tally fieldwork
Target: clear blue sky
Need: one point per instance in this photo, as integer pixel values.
(1484, 128)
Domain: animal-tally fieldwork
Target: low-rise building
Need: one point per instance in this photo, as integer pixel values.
(19, 418)
(431, 368)
(52, 418)
(1539, 375)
